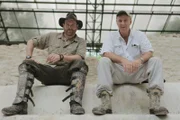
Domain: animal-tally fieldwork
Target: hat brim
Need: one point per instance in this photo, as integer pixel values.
(79, 22)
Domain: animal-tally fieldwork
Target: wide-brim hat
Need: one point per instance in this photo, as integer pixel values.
(71, 16)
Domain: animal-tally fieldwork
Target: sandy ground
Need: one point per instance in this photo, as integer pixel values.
(167, 47)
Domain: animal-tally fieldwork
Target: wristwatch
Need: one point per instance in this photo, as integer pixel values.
(28, 57)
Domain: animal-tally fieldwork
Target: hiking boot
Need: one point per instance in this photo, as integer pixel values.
(105, 107)
(155, 107)
(15, 109)
(76, 108)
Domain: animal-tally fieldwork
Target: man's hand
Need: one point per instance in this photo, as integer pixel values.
(131, 67)
(53, 58)
(127, 65)
(135, 65)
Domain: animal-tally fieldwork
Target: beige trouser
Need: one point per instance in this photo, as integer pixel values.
(110, 73)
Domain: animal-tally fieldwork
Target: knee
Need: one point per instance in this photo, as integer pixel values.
(155, 60)
(26, 65)
(22, 67)
(84, 68)
(81, 65)
(105, 61)
(80, 62)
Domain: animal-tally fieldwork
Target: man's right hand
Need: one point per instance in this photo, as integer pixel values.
(127, 65)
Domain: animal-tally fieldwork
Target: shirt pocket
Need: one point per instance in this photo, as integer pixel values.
(135, 50)
(118, 49)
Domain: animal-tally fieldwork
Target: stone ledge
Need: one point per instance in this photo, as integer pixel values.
(127, 99)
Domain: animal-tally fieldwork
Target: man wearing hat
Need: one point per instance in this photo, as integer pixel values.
(66, 66)
(127, 57)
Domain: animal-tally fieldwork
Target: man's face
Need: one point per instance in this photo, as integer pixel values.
(70, 27)
(123, 23)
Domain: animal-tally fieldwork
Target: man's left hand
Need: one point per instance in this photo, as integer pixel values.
(135, 65)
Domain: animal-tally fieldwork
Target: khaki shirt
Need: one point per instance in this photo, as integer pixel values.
(56, 43)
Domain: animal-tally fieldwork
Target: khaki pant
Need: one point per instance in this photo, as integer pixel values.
(110, 73)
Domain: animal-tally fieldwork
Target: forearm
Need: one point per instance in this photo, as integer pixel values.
(29, 48)
(146, 56)
(72, 57)
(115, 58)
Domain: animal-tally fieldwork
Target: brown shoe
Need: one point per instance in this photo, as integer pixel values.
(105, 107)
(155, 107)
(162, 111)
(15, 109)
(76, 108)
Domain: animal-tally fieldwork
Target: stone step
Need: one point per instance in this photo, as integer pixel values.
(91, 117)
(127, 99)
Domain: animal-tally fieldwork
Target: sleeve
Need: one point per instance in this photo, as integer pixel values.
(41, 42)
(145, 45)
(81, 49)
(107, 45)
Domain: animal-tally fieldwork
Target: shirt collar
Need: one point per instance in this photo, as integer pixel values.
(130, 35)
(60, 36)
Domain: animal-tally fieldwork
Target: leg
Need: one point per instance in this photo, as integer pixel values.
(27, 71)
(156, 86)
(79, 71)
(105, 71)
(155, 74)
(25, 83)
(104, 88)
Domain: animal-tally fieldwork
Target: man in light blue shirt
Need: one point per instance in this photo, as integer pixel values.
(127, 57)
